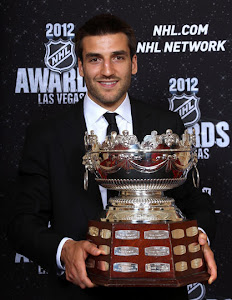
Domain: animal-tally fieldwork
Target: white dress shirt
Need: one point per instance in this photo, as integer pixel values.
(94, 119)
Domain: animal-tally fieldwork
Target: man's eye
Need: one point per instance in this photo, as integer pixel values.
(94, 59)
(119, 57)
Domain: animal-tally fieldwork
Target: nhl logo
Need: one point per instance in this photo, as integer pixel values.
(60, 55)
(196, 291)
(187, 106)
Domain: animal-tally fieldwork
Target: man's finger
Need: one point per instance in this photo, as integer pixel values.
(78, 275)
(211, 264)
(83, 279)
(93, 250)
(202, 239)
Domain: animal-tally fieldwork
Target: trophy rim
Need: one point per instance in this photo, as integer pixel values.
(160, 184)
(132, 150)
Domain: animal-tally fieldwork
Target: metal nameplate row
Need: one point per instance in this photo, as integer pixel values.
(179, 233)
(149, 251)
(135, 234)
(127, 267)
(104, 233)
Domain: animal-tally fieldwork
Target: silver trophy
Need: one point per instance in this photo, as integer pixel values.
(167, 251)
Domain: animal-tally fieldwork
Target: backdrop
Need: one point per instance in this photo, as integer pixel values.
(184, 57)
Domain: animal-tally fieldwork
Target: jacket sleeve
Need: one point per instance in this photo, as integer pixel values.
(194, 204)
(28, 229)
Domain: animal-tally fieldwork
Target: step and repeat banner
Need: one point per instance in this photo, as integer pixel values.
(184, 65)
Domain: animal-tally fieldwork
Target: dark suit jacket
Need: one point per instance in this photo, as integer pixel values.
(50, 186)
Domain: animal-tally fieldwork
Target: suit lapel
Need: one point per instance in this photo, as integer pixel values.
(72, 142)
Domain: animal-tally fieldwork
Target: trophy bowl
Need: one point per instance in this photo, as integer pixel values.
(141, 172)
(146, 238)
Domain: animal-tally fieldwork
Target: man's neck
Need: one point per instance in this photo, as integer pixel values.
(109, 106)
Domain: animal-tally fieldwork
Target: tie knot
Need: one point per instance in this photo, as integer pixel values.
(111, 119)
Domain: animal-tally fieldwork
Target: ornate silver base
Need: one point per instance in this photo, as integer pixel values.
(142, 207)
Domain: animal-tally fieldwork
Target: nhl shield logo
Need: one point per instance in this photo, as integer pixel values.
(196, 291)
(187, 106)
(60, 55)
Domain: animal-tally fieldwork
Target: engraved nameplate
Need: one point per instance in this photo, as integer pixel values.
(157, 267)
(157, 251)
(125, 267)
(105, 248)
(90, 263)
(181, 266)
(191, 231)
(177, 233)
(196, 263)
(103, 265)
(127, 234)
(156, 234)
(194, 247)
(105, 234)
(126, 251)
(179, 250)
(93, 231)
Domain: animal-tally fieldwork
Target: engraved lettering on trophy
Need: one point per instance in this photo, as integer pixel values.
(125, 267)
(90, 263)
(102, 265)
(196, 263)
(191, 231)
(177, 233)
(181, 266)
(194, 247)
(126, 251)
(93, 231)
(105, 248)
(156, 234)
(127, 234)
(105, 233)
(157, 251)
(157, 267)
(179, 250)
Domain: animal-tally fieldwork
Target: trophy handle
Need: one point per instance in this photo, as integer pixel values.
(86, 179)
(196, 182)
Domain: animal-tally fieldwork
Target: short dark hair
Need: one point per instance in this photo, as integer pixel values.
(105, 24)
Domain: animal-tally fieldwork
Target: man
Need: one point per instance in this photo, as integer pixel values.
(51, 173)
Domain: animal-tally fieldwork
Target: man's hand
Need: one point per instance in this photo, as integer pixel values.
(209, 257)
(73, 255)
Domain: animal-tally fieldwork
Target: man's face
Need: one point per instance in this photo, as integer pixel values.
(107, 68)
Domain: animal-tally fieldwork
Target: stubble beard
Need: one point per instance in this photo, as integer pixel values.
(105, 99)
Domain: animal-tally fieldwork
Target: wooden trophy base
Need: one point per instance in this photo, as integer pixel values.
(146, 255)
(149, 282)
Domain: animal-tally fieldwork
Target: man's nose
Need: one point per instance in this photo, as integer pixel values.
(107, 68)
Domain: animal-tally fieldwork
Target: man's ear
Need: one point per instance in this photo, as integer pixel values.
(80, 67)
(134, 67)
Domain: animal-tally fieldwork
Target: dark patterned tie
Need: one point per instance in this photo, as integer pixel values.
(110, 118)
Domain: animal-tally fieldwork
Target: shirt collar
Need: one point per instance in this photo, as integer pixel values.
(124, 110)
(93, 112)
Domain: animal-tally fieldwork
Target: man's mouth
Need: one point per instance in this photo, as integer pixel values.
(108, 84)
